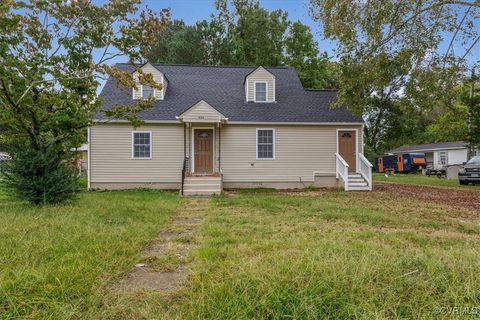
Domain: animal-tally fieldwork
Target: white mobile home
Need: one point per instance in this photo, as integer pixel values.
(438, 155)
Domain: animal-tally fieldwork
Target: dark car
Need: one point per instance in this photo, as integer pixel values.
(470, 172)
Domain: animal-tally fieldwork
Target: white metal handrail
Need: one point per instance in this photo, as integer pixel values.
(365, 169)
(342, 169)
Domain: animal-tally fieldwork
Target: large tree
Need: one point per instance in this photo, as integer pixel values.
(53, 53)
(242, 32)
(256, 34)
(301, 52)
(434, 39)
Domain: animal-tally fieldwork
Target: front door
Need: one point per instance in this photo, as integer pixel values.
(347, 148)
(203, 151)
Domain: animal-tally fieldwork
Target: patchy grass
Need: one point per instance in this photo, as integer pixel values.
(337, 256)
(419, 179)
(333, 255)
(56, 261)
(256, 190)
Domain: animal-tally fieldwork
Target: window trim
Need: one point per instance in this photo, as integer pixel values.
(133, 145)
(273, 144)
(141, 92)
(255, 90)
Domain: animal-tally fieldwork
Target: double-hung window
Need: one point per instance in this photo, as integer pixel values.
(261, 91)
(142, 145)
(265, 144)
(147, 91)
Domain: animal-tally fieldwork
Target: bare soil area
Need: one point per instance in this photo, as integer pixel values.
(453, 197)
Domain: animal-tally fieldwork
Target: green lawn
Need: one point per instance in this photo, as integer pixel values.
(263, 256)
(419, 179)
(55, 261)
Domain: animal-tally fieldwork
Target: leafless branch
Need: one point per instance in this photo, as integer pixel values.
(414, 16)
(471, 47)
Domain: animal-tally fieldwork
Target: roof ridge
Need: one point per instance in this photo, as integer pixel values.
(421, 144)
(209, 65)
(451, 144)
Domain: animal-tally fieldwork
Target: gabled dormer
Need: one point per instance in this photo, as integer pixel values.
(260, 86)
(145, 91)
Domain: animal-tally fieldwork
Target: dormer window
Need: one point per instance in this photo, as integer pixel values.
(260, 86)
(147, 91)
(260, 91)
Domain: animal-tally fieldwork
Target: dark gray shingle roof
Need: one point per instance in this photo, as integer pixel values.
(430, 146)
(223, 88)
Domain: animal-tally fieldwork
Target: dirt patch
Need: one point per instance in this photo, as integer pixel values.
(145, 279)
(187, 220)
(464, 199)
(163, 266)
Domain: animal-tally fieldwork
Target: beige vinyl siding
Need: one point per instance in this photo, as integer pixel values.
(111, 154)
(299, 152)
(202, 112)
(157, 76)
(260, 74)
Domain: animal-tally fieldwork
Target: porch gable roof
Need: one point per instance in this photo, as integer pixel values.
(202, 111)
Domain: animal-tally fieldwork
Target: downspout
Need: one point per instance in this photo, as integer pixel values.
(219, 148)
(184, 162)
(88, 158)
(184, 140)
(190, 148)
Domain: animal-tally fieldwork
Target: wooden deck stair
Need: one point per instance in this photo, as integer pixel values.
(202, 186)
(357, 183)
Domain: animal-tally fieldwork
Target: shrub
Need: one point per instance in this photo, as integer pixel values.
(40, 176)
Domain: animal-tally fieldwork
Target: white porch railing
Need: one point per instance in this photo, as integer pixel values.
(365, 169)
(342, 170)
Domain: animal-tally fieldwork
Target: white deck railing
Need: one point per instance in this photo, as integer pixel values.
(365, 169)
(342, 170)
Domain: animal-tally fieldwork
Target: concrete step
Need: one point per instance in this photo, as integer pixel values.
(200, 192)
(202, 180)
(202, 186)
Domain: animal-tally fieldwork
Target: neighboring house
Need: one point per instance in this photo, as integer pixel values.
(438, 155)
(232, 127)
(81, 158)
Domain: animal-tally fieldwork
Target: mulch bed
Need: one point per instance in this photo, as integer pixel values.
(454, 197)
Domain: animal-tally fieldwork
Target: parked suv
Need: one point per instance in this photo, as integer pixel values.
(470, 172)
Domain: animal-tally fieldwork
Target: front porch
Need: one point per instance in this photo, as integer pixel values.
(201, 173)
